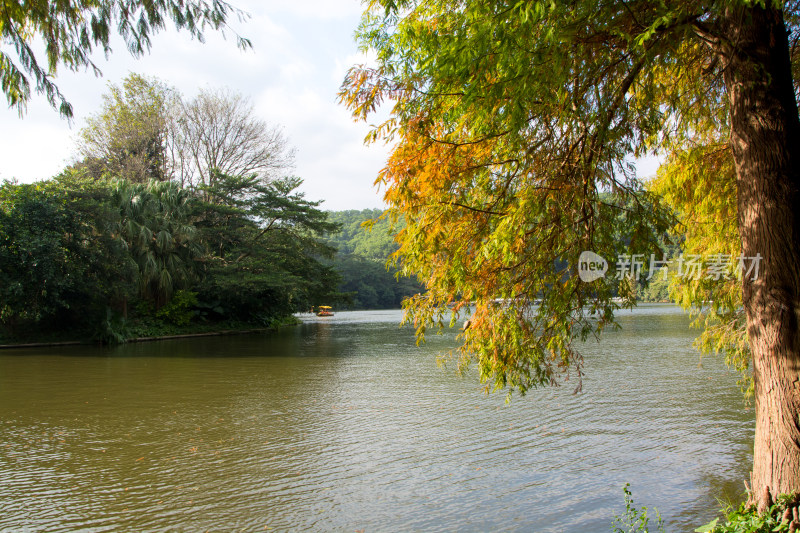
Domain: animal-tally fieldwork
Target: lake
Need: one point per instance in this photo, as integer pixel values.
(344, 424)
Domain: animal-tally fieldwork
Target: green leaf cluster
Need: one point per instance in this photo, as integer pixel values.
(747, 519)
(59, 258)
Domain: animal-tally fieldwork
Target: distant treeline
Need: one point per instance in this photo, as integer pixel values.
(361, 261)
(369, 281)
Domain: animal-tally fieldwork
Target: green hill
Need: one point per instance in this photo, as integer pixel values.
(362, 258)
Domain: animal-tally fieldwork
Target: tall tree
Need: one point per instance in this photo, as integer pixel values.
(134, 136)
(222, 135)
(266, 252)
(511, 117)
(71, 31)
(156, 228)
(147, 131)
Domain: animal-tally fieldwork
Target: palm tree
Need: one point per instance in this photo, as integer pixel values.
(161, 240)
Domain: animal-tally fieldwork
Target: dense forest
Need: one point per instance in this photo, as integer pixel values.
(176, 216)
(364, 244)
(112, 259)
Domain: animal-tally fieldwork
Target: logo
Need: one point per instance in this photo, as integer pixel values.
(591, 266)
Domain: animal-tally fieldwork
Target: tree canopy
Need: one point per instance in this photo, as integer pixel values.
(219, 131)
(134, 135)
(147, 130)
(117, 245)
(511, 120)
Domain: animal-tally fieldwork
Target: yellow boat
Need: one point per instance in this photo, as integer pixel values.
(324, 310)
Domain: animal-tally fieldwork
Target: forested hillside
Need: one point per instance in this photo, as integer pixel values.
(362, 258)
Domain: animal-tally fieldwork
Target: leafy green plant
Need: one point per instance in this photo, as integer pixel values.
(205, 309)
(113, 329)
(747, 519)
(180, 309)
(635, 520)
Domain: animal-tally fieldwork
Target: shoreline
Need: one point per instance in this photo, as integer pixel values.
(219, 333)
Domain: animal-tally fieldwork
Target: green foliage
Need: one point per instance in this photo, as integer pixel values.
(634, 520)
(365, 244)
(77, 253)
(72, 30)
(146, 130)
(365, 233)
(33, 281)
(132, 136)
(266, 256)
(59, 261)
(370, 285)
(113, 329)
(747, 519)
(180, 309)
(156, 228)
(657, 290)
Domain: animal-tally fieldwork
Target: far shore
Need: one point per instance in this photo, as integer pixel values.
(138, 339)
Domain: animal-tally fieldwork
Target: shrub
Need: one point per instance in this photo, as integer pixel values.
(747, 519)
(180, 309)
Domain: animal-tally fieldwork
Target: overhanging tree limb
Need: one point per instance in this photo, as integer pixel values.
(71, 31)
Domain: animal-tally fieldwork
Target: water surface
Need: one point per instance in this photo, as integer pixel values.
(344, 424)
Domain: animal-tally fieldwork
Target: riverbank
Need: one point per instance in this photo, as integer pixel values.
(163, 332)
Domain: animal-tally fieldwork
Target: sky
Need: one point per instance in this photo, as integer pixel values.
(301, 52)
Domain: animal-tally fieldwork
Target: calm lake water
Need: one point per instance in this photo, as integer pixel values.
(344, 424)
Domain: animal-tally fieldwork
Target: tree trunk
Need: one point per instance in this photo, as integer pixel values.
(765, 131)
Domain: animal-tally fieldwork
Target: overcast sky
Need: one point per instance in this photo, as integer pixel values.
(301, 51)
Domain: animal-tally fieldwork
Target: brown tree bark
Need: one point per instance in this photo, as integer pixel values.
(765, 131)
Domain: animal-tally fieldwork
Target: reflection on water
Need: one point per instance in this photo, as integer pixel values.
(343, 423)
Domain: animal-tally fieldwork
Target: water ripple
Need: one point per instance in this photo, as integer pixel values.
(345, 424)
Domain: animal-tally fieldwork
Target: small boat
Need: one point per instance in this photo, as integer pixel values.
(324, 310)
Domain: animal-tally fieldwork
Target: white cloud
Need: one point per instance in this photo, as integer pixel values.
(37, 147)
(332, 159)
(311, 9)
